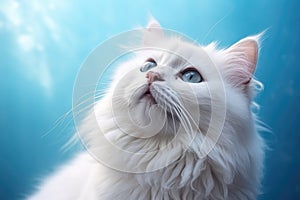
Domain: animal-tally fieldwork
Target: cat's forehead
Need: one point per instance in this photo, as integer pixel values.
(177, 54)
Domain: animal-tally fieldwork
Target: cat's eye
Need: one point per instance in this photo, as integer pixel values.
(149, 64)
(191, 75)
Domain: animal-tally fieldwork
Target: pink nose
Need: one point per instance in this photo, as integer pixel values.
(153, 76)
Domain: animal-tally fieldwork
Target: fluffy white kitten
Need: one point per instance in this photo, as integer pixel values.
(174, 124)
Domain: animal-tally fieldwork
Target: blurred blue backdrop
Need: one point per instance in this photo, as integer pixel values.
(43, 43)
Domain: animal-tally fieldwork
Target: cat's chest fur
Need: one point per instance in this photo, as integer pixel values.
(187, 178)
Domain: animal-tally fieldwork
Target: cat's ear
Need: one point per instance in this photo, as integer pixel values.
(154, 27)
(153, 32)
(243, 57)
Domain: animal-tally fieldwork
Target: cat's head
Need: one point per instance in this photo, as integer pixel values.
(172, 83)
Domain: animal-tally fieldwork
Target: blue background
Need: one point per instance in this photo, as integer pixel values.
(43, 43)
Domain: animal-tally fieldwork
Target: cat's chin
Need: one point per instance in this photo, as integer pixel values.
(149, 99)
(144, 107)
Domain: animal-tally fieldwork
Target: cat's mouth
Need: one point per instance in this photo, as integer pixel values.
(148, 95)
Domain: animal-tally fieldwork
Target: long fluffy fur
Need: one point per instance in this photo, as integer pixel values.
(232, 169)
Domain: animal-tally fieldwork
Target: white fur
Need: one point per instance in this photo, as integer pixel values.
(232, 169)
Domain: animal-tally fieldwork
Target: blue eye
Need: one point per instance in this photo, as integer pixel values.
(150, 63)
(191, 76)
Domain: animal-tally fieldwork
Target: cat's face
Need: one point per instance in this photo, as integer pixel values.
(158, 89)
(174, 85)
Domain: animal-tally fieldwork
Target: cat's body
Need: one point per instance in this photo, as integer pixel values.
(161, 167)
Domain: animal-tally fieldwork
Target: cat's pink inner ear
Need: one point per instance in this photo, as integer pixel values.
(153, 32)
(245, 53)
(155, 28)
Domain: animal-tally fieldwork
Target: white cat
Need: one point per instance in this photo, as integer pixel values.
(176, 123)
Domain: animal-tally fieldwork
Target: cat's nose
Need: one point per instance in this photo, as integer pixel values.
(153, 76)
